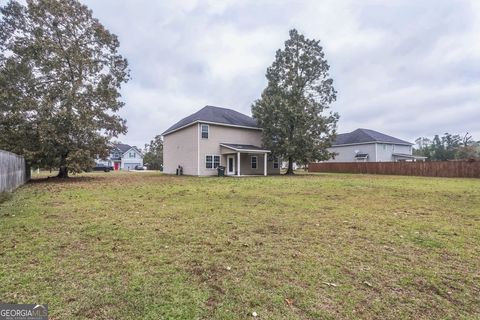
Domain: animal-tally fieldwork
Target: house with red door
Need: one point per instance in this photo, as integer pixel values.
(123, 157)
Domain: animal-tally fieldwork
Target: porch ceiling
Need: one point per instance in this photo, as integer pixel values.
(244, 148)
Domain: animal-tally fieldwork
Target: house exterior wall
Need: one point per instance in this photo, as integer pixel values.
(181, 148)
(131, 159)
(185, 147)
(223, 134)
(377, 152)
(347, 153)
(385, 150)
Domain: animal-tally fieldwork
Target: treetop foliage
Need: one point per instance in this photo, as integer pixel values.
(448, 147)
(291, 108)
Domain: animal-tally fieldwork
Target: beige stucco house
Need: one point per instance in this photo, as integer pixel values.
(213, 137)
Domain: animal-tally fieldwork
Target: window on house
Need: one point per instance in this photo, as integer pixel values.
(131, 154)
(254, 162)
(275, 163)
(204, 128)
(216, 161)
(212, 161)
(209, 162)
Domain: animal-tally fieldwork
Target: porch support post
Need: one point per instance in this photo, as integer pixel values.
(265, 164)
(238, 164)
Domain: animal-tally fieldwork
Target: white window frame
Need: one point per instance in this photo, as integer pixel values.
(213, 161)
(276, 163)
(201, 130)
(256, 162)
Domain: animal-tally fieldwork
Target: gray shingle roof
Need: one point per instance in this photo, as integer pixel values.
(122, 147)
(366, 136)
(125, 147)
(217, 115)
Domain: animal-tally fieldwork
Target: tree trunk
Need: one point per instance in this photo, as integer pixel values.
(290, 166)
(63, 170)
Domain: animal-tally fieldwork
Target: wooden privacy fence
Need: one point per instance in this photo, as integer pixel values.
(13, 171)
(466, 169)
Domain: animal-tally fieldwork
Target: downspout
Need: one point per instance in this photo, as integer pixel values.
(376, 152)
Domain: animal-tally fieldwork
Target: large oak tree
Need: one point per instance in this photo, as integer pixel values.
(60, 80)
(292, 107)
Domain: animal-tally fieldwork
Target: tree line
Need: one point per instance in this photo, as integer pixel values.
(447, 147)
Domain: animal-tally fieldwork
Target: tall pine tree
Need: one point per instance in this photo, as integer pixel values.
(292, 107)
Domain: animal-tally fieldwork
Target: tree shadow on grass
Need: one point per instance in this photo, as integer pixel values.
(70, 180)
(4, 196)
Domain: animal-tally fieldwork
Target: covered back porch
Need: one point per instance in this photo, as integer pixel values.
(244, 160)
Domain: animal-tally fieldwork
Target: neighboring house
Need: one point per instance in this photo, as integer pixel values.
(366, 145)
(123, 157)
(213, 137)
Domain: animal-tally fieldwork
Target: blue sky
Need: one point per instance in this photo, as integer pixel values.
(405, 68)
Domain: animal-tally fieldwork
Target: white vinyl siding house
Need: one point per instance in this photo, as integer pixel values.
(364, 145)
(131, 159)
(123, 157)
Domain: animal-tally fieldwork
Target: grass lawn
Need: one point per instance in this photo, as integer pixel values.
(326, 246)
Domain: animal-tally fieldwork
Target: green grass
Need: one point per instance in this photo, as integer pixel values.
(326, 246)
(4, 196)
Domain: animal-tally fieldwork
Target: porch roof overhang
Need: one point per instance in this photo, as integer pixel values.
(408, 156)
(244, 148)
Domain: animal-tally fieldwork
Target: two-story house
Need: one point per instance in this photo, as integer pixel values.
(213, 137)
(365, 145)
(123, 157)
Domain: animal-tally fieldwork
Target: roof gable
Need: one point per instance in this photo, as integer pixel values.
(215, 115)
(123, 148)
(366, 136)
